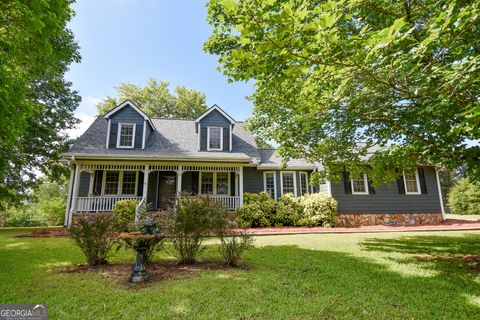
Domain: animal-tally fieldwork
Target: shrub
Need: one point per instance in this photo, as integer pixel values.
(464, 198)
(233, 244)
(318, 209)
(192, 220)
(289, 211)
(257, 211)
(95, 235)
(124, 212)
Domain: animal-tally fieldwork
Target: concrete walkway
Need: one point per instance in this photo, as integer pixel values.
(448, 225)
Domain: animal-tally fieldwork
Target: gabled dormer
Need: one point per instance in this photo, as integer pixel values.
(214, 130)
(128, 127)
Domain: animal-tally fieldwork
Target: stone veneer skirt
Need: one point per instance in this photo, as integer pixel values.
(391, 219)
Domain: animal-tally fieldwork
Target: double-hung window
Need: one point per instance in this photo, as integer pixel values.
(303, 183)
(359, 183)
(412, 183)
(216, 183)
(120, 182)
(215, 138)
(126, 135)
(288, 182)
(270, 184)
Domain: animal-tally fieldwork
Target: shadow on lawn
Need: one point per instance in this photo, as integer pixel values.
(450, 255)
(283, 282)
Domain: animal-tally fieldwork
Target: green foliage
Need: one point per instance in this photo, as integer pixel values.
(45, 206)
(257, 210)
(190, 222)
(338, 79)
(95, 234)
(157, 101)
(124, 212)
(37, 103)
(233, 245)
(319, 209)
(464, 197)
(289, 211)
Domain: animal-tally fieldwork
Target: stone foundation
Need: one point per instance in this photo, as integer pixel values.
(390, 219)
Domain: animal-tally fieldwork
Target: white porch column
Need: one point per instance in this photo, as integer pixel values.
(240, 185)
(69, 198)
(146, 173)
(179, 180)
(76, 186)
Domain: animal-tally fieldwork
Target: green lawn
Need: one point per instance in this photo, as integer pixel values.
(330, 276)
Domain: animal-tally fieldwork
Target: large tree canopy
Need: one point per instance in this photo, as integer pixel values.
(336, 79)
(157, 101)
(36, 103)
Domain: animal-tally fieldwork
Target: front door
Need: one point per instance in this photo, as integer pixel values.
(166, 189)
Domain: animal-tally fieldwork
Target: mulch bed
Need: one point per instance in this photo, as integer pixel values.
(157, 272)
(44, 233)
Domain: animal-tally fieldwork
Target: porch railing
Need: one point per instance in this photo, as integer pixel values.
(230, 202)
(97, 204)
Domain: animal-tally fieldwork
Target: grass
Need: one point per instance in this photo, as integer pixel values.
(323, 276)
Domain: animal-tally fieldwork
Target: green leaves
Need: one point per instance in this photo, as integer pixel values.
(338, 79)
(157, 101)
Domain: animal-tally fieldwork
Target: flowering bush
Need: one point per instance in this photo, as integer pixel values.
(318, 209)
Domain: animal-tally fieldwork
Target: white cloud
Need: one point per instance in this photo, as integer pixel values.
(85, 122)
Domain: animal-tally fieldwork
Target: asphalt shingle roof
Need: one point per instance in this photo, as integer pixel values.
(173, 138)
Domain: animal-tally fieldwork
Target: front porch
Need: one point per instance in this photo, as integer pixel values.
(97, 186)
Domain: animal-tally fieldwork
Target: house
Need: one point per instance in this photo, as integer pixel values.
(127, 155)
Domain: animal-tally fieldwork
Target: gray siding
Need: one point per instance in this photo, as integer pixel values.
(387, 199)
(252, 180)
(84, 184)
(215, 119)
(126, 115)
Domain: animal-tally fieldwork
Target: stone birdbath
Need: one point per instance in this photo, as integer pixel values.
(141, 242)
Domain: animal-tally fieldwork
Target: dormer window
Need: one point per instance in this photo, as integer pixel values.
(126, 135)
(215, 138)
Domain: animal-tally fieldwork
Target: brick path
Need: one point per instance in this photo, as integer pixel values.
(448, 225)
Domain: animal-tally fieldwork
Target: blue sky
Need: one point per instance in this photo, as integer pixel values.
(134, 40)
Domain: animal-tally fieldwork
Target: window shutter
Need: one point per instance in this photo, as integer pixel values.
(401, 185)
(97, 182)
(371, 189)
(423, 182)
(195, 177)
(346, 182)
(140, 184)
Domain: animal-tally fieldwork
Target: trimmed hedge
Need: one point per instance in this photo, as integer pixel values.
(260, 210)
(124, 213)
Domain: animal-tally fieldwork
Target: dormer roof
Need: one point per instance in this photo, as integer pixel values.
(215, 108)
(131, 104)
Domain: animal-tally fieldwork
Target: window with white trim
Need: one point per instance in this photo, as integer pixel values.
(215, 138)
(222, 183)
(120, 182)
(129, 182)
(206, 182)
(412, 183)
(270, 184)
(112, 179)
(126, 135)
(216, 183)
(359, 183)
(288, 182)
(303, 183)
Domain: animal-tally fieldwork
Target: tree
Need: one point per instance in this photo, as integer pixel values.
(157, 101)
(336, 80)
(37, 104)
(464, 198)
